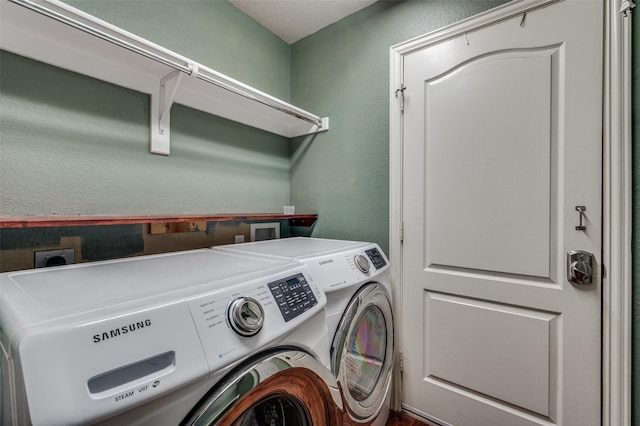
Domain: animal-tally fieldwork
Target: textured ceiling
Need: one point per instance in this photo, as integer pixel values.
(292, 20)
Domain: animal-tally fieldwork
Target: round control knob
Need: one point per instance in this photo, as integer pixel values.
(362, 263)
(246, 316)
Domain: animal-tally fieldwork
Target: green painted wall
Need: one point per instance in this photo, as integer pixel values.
(74, 145)
(343, 72)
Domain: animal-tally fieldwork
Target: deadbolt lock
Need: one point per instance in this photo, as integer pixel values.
(580, 267)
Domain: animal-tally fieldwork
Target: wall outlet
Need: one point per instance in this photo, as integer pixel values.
(46, 258)
(239, 239)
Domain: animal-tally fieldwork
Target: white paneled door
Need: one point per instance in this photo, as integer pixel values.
(502, 141)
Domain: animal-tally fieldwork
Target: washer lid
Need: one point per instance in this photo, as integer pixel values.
(34, 296)
(362, 352)
(298, 248)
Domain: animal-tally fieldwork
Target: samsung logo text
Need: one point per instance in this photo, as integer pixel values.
(134, 326)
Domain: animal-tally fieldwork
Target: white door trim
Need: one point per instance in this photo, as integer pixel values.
(617, 207)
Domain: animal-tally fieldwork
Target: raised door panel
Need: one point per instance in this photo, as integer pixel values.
(488, 169)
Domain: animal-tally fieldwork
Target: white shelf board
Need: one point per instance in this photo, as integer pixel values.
(29, 33)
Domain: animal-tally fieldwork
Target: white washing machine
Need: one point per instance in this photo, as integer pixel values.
(355, 277)
(198, 337)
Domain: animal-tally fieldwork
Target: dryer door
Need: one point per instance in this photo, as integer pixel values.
(362, 352)
(281, 388)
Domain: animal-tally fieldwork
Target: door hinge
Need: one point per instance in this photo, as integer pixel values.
(401, 231)
(626, 6)
(401, 361)
(400, 94)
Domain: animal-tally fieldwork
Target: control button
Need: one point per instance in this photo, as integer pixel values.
(362, 263)
(293, 296)
(246, 316)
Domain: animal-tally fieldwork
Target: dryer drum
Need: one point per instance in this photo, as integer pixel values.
(288, 388)
(362, 352)
(276, 410)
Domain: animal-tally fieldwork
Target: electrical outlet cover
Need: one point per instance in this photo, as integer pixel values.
(47, 258)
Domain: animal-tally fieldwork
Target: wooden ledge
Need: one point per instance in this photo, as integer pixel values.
(89, 220)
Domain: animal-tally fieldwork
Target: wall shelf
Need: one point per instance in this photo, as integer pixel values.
(55, 33)
(305, 220)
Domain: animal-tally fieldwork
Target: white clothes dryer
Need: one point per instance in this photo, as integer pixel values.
(355, 277)
(197, 337)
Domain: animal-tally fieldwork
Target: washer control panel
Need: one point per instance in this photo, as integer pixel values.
(240, 318)
(334, 271)
(376, 258)
(293, 296)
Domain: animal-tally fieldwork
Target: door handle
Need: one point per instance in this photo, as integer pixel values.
(580, 267)
(581, 210)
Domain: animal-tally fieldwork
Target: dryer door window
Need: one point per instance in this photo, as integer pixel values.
(362, 352)
(365, 352)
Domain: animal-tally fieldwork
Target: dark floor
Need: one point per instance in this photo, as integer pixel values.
(399, 419)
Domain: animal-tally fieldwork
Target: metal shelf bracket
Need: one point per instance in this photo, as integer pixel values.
(160, 116)
(167, 96)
